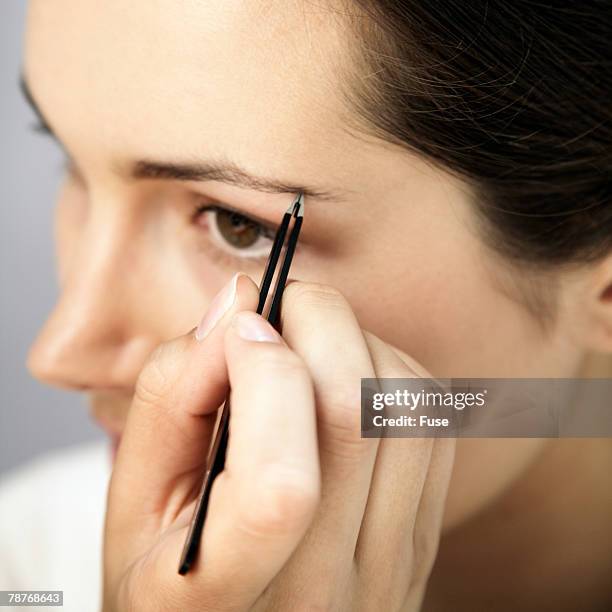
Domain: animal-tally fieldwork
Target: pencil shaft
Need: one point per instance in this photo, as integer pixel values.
(216, 456)
(281, 281)
(272, 261)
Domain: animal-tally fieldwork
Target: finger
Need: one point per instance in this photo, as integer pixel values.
(321, 327)
(397, 482)
(163, 447)
(408, 471)
(263, 501)
(430, 513)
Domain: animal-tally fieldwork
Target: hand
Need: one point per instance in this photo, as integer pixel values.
(306, 515)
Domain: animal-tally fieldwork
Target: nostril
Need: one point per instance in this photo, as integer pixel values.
(607, 294)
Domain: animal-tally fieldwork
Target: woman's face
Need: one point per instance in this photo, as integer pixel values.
(166, 108)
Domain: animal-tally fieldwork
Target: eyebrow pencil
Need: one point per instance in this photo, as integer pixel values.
(216, 455)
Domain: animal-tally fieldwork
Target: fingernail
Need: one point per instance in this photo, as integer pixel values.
(251, 326)
(221, 303)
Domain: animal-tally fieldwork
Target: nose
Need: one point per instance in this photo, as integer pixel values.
(93, 338)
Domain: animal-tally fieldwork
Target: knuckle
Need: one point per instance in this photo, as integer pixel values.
(308, 295)
(340, 416)
(343, 399)
(281, 504)
(346, 442)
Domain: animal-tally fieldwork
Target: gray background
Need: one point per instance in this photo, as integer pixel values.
(33, 418)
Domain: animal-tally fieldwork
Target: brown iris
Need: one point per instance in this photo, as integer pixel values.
(239, 231)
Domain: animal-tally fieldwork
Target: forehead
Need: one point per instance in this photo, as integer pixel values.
(189, 77)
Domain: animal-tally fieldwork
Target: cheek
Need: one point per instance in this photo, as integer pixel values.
(437, 308)
(441, 307)
(441, 320)
(460, 326)
(183, 283)
(171, 280)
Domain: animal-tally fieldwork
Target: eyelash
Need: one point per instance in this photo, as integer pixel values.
(68, 166)
(40, 127)
(222, 256)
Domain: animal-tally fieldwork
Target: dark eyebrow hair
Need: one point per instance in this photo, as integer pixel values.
(230, 173)
(212, 170)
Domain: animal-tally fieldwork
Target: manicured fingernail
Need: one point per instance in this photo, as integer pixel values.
(251, 326)
(218, 307)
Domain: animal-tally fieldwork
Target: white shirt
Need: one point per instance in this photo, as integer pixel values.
(51, 524)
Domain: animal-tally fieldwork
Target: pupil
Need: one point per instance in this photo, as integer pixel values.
(237, 230)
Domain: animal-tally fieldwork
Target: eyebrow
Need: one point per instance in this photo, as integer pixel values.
(228, 172)
(224, 171)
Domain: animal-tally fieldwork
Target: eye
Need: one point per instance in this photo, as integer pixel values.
(236, 233)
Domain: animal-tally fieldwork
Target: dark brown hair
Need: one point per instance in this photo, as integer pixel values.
(514, 97)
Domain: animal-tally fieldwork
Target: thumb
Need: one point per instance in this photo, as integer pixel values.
(164, 445)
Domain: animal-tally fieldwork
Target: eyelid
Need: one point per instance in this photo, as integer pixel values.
(269, 228)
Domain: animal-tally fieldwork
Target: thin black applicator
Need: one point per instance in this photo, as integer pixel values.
(215, 461)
